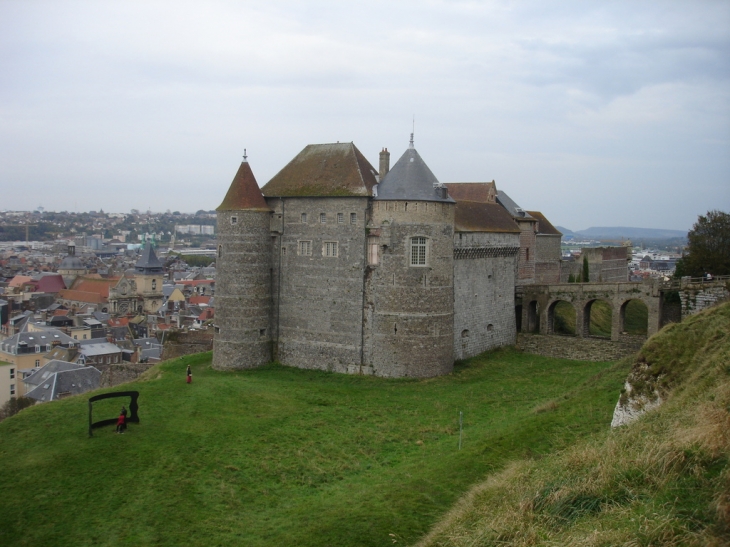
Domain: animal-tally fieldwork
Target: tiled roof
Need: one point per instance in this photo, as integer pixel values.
(94, 284)
(543, 225)
(337, 169)
(482, 192)
(244, 192)
(471, 216)
(83, 296)
(411, 179)
(19, 280)
(199, 299)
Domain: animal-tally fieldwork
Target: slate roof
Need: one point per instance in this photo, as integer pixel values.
(505, 201)
(148, 262)
(471, 216)
(31, 339)
(43, 373)
(67, 382)
(482, 192)
(91, 348)
(543, 224)
(410, 179)
(244, 192)
(336, 169)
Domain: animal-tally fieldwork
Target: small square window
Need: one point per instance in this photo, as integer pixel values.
(234, 220)
(330, 248)
(323, 218)
(304, 218)
(340, 218)
(283, 251)
(353, 218)
(305, 248)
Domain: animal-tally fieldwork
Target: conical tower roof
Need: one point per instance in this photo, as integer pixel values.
(411, 179)
(244, 193)
(148, 263)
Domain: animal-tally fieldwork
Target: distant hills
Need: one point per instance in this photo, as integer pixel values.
(618, 232)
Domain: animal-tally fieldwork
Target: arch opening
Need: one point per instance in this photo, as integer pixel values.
(634, 318)
(561, 318)
(597, 318)
(533, 317)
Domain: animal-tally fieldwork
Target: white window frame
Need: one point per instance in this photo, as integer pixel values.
(12, 373)
(330, 249)
(234, 220)
(304, 247)
(12, 389)
(418, 251)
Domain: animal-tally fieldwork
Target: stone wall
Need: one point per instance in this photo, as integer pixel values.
(526, 258)
(547, 259)
(484, 280)
(243, 290)
(113, 375)
(409, 310)
(579, 349)
(178, 344)
(696, 300)
(318, 299)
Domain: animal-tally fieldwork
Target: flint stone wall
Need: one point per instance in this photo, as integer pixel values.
(484, 285)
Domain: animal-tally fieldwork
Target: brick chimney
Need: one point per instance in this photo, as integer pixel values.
(384, 163)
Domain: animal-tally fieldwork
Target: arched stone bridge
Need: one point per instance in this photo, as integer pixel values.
(539, 301)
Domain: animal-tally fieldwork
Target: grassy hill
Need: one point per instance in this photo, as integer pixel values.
(664, 480)
(281, 456)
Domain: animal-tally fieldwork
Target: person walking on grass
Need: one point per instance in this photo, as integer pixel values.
(189, 375)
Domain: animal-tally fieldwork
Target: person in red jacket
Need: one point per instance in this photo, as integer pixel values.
(190, 375)
(121, 421)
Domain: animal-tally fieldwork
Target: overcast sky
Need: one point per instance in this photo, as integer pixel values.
(595, 113)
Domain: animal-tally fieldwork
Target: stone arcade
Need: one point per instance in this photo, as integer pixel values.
(334, 265)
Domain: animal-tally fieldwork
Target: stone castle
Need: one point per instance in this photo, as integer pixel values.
(338, 266)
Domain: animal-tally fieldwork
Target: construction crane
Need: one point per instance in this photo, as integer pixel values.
(26, 226)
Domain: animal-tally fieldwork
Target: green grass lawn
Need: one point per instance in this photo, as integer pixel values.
(281, 456)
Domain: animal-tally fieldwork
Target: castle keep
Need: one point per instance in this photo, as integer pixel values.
(336, 265)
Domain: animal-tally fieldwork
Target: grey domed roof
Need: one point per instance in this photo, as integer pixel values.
(411, 179)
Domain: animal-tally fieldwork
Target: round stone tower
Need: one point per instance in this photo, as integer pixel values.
(410, 290)
(243, 276)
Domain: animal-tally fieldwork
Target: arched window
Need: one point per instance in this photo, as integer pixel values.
(418, 251)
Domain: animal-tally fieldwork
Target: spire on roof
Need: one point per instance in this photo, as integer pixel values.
(244, 193)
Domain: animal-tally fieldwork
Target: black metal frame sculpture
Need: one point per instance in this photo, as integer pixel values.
(133, 407)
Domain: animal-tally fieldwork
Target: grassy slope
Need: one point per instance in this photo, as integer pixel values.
(664, 480)
(279, 456)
